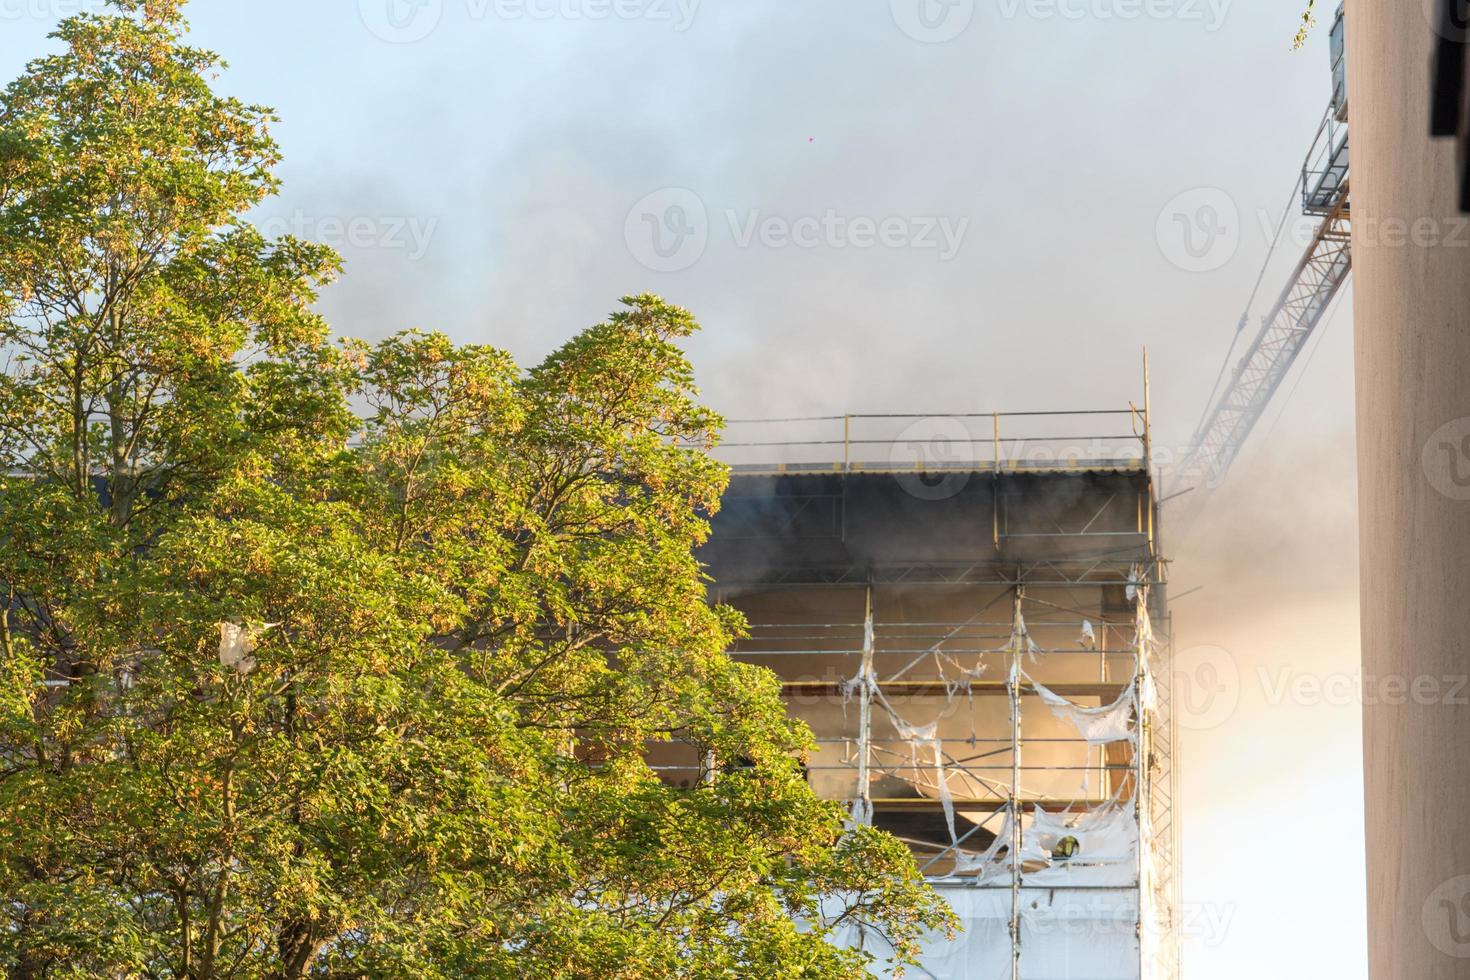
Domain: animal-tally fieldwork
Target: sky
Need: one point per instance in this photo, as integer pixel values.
(930, 206)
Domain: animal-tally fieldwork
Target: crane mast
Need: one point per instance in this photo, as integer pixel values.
(1301, 305)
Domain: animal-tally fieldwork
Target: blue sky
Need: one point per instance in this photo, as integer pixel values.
(881, 205)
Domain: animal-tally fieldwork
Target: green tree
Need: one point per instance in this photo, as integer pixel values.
(288, 692)
(1304, 30)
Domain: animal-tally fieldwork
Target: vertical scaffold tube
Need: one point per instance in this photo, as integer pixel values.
(865, 713)
(1141, 635)
(1018, 630)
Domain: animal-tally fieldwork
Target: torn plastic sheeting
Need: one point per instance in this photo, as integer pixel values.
(964, 684)
(856, 684)
(927, 736)
(1088, 638)
(1099, 726)
(966, 863)
(992, 866)
(1019, 629)
(1107, 852)
(985, 864)
(1107, 847)
(917, 736)
(1148, 694)
(236, 644)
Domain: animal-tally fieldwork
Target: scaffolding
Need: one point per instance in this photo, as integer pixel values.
(980, 644)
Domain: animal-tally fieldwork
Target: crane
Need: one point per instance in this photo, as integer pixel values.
(1234, 410)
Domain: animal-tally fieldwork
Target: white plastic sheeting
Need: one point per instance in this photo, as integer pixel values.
(1065, 933)
(993, 866)
(982, 951)
(1088, 639)
(1082, 934)
(1079, 915)
(926, 736)
(1099, 726)
(1106, 857)
(1107, 851)
(236, 644)
(918, 737)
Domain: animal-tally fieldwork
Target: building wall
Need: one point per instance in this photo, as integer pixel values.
(1411, 297)
(940, 565)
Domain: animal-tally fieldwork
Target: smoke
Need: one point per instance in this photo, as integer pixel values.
(1269, 682)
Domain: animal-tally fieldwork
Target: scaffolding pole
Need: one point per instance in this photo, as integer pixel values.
(1140, 789)
(1017, 643)
(865, 712)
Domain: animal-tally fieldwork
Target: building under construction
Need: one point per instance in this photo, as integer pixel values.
(969, 613)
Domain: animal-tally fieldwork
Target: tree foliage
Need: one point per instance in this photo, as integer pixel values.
(464, 612)
(1304, 29)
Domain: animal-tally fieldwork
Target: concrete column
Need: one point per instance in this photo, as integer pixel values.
(1411, 295)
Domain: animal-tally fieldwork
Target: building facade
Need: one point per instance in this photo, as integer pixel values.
(981, 648)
